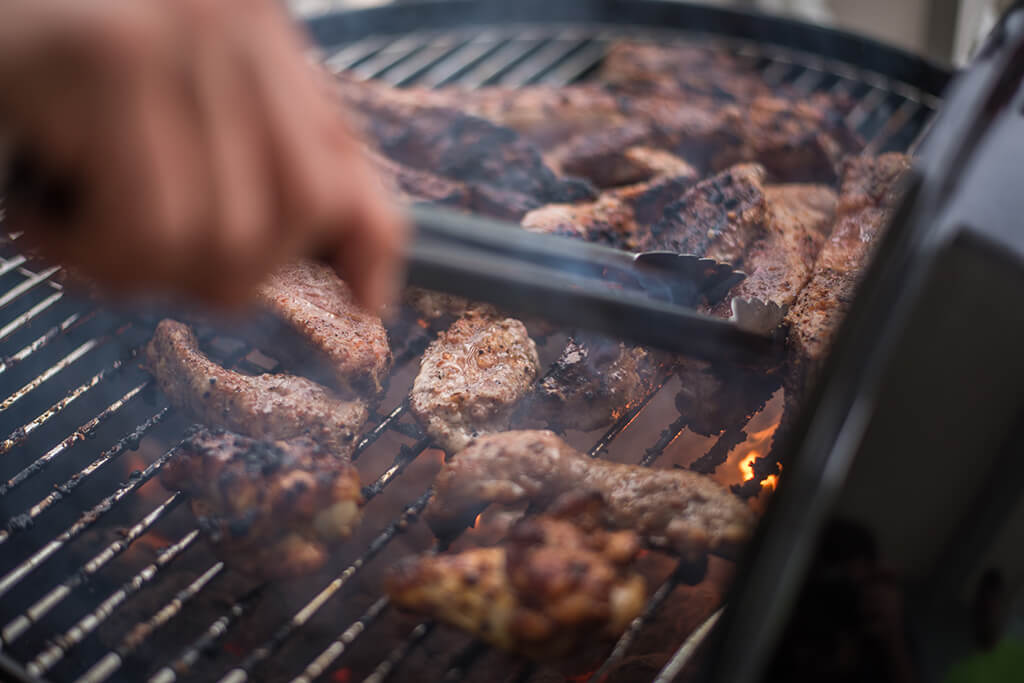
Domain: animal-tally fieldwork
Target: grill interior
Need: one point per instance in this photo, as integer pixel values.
(104, 575)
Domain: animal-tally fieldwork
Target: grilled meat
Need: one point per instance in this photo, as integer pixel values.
(472, 376)
(416, 185)
(870, 191)
(433, 305)
(552, 586)
(682, 511)
(274, 407)
(694, 72)
(617, 218)
(272, 508)
(719, 217)
(505, 174)
(799, 218)
(593, 382)
(314, 301)
(795, 140)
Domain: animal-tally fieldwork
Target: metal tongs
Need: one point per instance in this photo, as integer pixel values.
(648, 298)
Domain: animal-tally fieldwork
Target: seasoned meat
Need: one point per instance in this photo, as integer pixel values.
(505, 173)
(553, 586)
(433, 305)
(719, 217)
(472, 376)
(682, 511)
(701, 73)
(416, 185)
(272, 508)
(870, 192)
(274, 407)
(593, 382)
(314, 301)
(799, 218)
(618, 217)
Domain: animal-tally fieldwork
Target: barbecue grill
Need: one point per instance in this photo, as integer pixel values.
(103, 576)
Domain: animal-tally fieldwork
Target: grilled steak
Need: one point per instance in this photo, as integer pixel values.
(618, 217)
(274, 407)
(593, 382)
(416, 185)
(681, 511)
(314, 301)
(870, 191)
(694, 72)
(719, 217)
(472, 376)
(505, 173)
(799, 218)
(271, 508)
(551, 587)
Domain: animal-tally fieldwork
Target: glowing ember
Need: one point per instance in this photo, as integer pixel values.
(476, 520)
(341, 676)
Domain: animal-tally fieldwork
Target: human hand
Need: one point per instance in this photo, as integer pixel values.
(202, 146)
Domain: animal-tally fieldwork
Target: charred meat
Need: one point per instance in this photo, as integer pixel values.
(871, 190)
(505, 173)
(314, 301)
(719, 217)
(687, 513)
(273, 407)
(552, 586)
(472, 376)
(618, 217)
(273, 509)
(593, 382)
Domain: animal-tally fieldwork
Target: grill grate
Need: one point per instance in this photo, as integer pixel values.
(77, 386)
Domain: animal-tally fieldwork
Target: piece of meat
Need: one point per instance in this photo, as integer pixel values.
(871, 190)
(795, 140)
(433, 305)
(696, 72)
(504, 172)
(315, 302)
(719, 217)
(472, 376)
(551, 587)
(687, 513)
(798, 218)
(416, 185)
(273, 407)
(618, 218)
(273, 509)
(593, 382)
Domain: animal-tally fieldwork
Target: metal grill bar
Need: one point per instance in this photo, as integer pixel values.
(627, 419)
(34, 280)
(13, 630)
(543, 60)
(111, 662)
(206, 640)
(49, 657)
(409, 515)
(429, 57)
(44, 339)
(338, 647)
(29, 315)
(462, 60)
(85, 521)
(79, 434)
(398, 655)
(130, 442)
(687, 650)
(63, 363)
(10, 264)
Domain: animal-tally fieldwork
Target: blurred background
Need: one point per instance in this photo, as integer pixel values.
(943, 29)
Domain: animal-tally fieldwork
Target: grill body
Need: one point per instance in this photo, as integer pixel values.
(101, 575)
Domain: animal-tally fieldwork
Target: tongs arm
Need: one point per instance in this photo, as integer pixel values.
(567, 282)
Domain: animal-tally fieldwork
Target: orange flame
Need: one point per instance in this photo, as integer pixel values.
(770, 482)
(746, 465)
(476, 520)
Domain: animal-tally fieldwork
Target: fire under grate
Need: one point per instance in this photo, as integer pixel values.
(104, 576)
